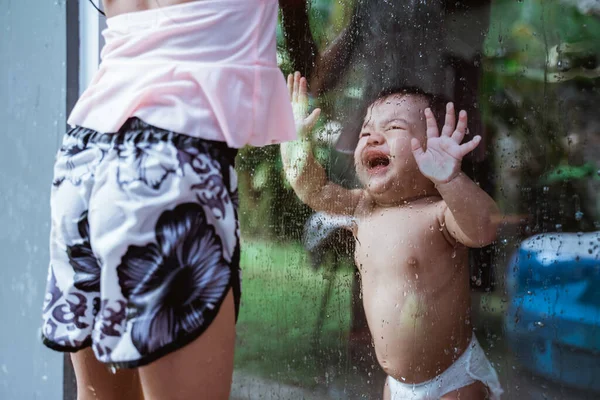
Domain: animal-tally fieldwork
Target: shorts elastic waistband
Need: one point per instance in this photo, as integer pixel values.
(137, 131)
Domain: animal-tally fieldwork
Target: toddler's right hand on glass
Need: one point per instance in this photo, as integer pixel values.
(298, 90)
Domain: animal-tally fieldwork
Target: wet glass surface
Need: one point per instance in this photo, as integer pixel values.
(528, 75)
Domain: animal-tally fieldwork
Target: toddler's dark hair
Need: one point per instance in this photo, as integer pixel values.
(437, 103)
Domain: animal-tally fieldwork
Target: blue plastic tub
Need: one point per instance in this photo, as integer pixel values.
(553, 319)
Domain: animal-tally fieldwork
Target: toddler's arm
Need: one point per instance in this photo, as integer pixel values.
(469, 217)
(306, 176)
(470, 214)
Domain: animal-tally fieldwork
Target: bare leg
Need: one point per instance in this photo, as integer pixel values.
(202, 370)
(96, 382)
(387, 395)
(475, 391)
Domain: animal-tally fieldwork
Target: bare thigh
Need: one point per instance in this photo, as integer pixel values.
(96, 382)
(475, 391)
(201, 370)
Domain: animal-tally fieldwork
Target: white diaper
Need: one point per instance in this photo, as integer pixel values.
(470, 367)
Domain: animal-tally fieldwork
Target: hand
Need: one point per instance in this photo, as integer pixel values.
(298, 90)
(441, 160)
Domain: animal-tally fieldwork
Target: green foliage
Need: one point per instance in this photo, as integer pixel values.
(280, 306)
(542, 73)
(268, 207)
(535, 50)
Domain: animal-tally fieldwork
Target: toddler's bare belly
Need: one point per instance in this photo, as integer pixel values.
(417, 335)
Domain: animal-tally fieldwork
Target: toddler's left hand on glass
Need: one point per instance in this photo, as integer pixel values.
(298, 89)
(442, 157)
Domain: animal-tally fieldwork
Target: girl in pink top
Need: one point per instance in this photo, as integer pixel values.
(144, 234)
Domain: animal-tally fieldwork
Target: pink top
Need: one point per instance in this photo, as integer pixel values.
(206, 68)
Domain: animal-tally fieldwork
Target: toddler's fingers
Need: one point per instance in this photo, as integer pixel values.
(311, 120)
(296, 84)
(462, 122)
(458, 136)
(432, 129)
(470, 145)
(290, 85)
(303, 90)
(450, 122)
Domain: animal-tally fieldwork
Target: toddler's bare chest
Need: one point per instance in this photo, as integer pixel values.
(401, 242)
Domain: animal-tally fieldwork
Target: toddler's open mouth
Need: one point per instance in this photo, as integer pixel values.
(376, 161)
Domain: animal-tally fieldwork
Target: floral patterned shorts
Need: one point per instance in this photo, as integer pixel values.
(144, 242)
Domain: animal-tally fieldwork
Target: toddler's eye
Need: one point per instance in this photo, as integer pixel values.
(364, 134)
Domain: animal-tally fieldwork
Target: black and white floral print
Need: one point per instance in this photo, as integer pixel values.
(140, 161)
(71, 310)
(53, 293)
(83, 260)
(144, 242)
(110, 323)
(170, 283)
(77, 158)
(151, 162)
(212, 190)
(63, 313)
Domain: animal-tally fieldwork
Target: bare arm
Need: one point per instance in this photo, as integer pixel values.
(471, 215)
(306, 176)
